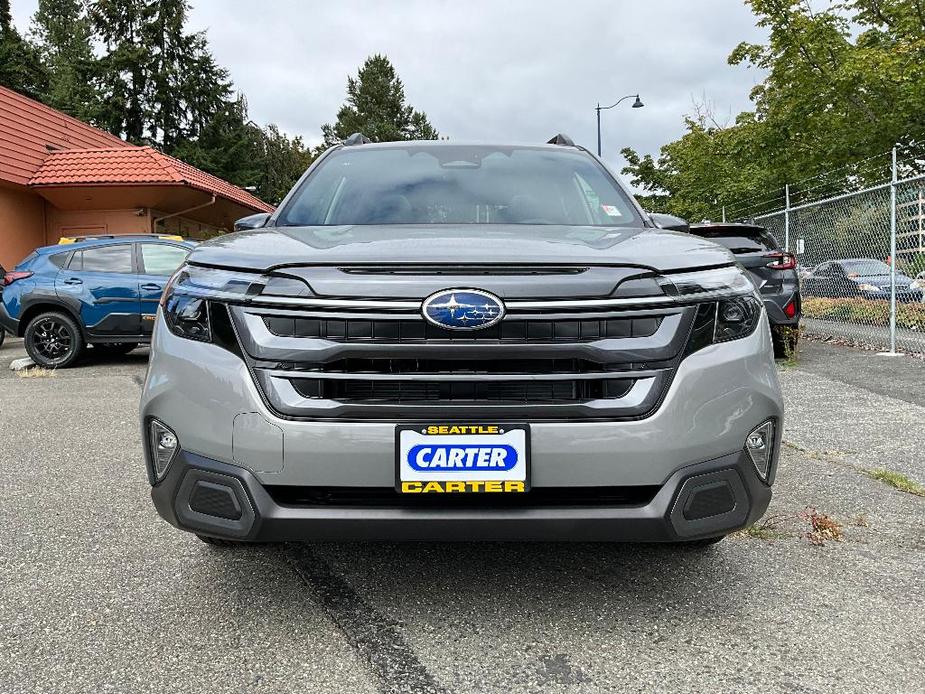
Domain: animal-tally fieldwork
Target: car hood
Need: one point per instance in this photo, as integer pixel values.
(275, 247)
(882, 281)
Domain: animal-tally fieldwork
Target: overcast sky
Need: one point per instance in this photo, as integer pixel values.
(501, 71)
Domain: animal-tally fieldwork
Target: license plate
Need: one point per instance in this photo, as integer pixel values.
(462, 458)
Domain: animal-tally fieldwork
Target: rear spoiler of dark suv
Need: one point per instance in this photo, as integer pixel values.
(721, 229)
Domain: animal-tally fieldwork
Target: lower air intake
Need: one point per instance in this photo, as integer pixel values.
(709, 500)
(215, 500)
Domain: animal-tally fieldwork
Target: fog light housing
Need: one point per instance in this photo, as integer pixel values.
(760, 447)
(164, 446)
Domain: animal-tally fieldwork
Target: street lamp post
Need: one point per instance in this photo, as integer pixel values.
(599, 108)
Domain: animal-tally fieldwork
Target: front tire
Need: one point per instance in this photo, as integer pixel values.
(53, 340)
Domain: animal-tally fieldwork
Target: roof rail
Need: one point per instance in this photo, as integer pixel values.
(357, 139)
(560, 139)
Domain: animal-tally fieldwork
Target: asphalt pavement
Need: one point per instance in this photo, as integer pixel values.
(97, 594)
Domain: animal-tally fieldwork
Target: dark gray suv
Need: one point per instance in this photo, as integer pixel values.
(773, 272)
(432, 341)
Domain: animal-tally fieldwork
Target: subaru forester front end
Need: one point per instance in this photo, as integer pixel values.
(432, 341)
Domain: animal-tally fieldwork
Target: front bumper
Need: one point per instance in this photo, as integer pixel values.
(698, 501)
(208, 397)
(7, 322)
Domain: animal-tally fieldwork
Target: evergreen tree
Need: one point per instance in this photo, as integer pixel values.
(283, 161)
(376, 107)
(123, 67)
(21, 67)
(159, 84)
(228, 145)
(64, 36)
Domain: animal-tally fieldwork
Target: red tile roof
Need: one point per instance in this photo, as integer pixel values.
(28, 129)
(134, 166)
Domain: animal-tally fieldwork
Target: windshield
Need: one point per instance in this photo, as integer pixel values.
(454, 184)
(865, 268)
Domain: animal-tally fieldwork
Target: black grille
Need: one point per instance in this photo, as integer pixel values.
(417, 330)
(215, 500)
(500, 392)
(709, 500)
(360, 366)
(386, 497)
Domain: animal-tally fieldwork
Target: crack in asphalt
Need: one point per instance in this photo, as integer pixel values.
(374, 636)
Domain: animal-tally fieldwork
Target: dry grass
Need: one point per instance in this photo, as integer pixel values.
(823, 527)
(897, 480)
(36, 372)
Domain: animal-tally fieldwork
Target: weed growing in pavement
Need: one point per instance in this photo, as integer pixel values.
(824, 527)
(766, 529)
(860, 521)
(36, 372)
(897, 480)
(790, 340)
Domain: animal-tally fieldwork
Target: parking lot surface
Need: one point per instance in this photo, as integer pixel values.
(97, 594)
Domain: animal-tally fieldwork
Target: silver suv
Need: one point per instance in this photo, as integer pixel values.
(432, 341)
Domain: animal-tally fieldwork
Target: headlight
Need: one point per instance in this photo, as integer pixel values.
(188, 316)
(707, 284)
(736, 318)
(215, 284)
(864, 287)
(186, 299)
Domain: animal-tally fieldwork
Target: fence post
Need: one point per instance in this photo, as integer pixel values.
(893, 179)
(724, 214)
(786, 216)
(893, 255)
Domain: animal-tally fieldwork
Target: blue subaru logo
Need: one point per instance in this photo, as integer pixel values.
(463, 309)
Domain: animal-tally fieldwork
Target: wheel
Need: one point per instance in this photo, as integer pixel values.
(219, 542)
(53, 340)
(786, 340)
(115, 349)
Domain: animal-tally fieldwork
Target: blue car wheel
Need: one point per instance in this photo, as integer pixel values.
(53, 340)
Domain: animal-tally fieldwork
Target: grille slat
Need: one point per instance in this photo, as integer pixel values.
(460, 392)
(386, 497)
(417, 330)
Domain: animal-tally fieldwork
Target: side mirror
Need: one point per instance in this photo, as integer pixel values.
(254, 221)
(670, 222)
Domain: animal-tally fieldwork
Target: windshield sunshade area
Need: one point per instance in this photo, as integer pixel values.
(456, 184)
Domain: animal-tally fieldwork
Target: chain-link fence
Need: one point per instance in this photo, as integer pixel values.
(845, 246)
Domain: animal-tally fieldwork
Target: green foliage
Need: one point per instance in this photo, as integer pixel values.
(376, 107)
(159, 85)
(21, 67)
(864, 312)
(842, 84)
(63, 36)
(130, 67)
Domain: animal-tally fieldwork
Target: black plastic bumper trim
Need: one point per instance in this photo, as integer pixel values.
(264, 520)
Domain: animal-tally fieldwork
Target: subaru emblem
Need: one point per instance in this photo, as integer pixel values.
(463, 309)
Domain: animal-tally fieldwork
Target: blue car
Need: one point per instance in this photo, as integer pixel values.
(101, 291)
